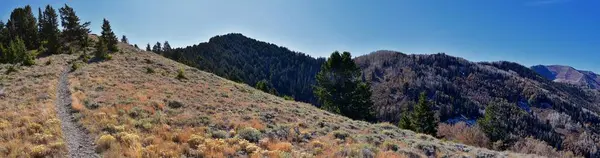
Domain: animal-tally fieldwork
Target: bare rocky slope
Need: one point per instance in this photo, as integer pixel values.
(570, 75)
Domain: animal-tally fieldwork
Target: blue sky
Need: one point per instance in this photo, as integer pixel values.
(530, 32)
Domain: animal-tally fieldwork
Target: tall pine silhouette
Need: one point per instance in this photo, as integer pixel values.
(49, 32)
(22, 24)
(340, 88)
(423, 116)
(73, 31)
(109, 37)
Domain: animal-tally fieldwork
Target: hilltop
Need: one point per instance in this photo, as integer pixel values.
(243, 59)
(570, 75)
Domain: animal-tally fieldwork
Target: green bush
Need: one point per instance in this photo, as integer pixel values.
(181, 74)
(286, 97)
(75, 66)
(250, 134)
(340, 134)
(149, 70)
(221, 134)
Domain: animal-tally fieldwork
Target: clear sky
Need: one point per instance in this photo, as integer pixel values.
(530, 32)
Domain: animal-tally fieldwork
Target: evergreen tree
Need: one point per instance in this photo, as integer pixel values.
(405, 121)
(340, 89)
(503, 120)
(124, 39)
(40, 22)
(262, 85)
(4, 38)
(148, 47)
(136, 46)
(73, 31)
(17, 53)
(423, 116)
(49, 32)
(3, 54)
(23, 24)
(109, 37)
(166, 47)
(102, 50)
(156, 48)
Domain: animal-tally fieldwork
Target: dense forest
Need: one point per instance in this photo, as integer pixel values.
(242, 59)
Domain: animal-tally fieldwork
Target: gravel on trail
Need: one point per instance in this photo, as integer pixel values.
(80, 144)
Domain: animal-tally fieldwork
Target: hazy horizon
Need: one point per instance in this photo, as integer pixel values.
(529, 32)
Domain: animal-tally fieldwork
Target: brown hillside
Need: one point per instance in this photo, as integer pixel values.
(136, 106)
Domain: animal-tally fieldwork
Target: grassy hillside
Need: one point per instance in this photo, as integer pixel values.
(28, 122)
(136, 105)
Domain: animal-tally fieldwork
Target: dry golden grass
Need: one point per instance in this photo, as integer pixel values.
(29, 126)
(158, 115)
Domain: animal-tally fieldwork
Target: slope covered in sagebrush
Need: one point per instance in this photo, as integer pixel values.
(142, 104)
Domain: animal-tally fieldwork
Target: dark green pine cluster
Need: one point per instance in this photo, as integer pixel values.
(23, 37)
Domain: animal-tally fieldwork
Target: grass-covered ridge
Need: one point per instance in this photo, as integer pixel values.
(28, 122)
(135, 113)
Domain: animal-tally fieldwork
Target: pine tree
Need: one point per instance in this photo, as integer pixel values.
(17, 53)
(40, 22)
(148, 47)
(49, 32)
(3, 54)
(136, 46)
(3, 33)
(423, 117)
(156, 48)
(23, 24)
(166, 47)
(502, 119)
(109, 37)
(405, 121)
(124, 39)
(102, 50)
(340, 89)
(73, 31)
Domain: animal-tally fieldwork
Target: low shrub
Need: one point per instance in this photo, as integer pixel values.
(250, 134)
(221, 134)
(339, 134)
(105, 142)
(181, 74)
(39, 151)
(149, 70)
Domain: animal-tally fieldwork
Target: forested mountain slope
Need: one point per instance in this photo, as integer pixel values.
(560, 114)
(247, 60)
(570, 75)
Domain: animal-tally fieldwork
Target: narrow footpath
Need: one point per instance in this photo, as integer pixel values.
(80, 144)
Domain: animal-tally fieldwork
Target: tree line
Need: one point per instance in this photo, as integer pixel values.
(24, 37)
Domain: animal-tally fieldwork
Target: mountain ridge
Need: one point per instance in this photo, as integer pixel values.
(570, 75)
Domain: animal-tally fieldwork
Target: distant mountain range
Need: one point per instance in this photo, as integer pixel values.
(570, 75)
